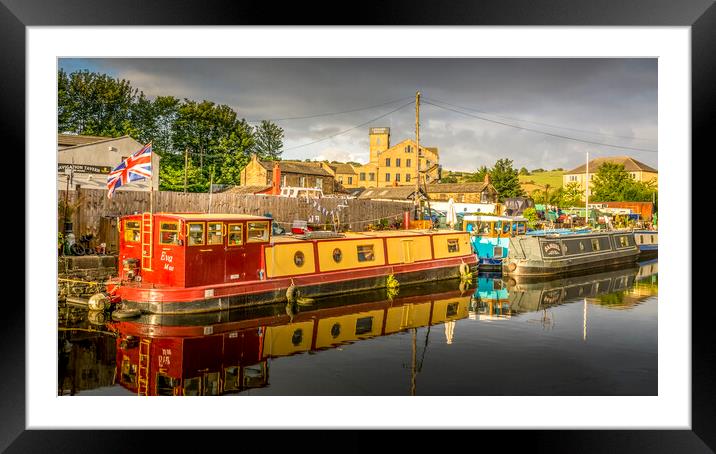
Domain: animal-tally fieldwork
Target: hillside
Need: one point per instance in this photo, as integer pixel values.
(538, 180)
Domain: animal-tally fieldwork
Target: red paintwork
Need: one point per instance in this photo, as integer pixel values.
(183, 352)
(182, 273)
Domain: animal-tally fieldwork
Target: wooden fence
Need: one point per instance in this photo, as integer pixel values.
(89, 206)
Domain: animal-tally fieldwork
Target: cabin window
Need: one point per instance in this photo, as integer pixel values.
(129, 371)
(451, 310)
(364, 325)
(484, 228)
(497, 252)
(365, 253)
(132, 231)
(211, 384)
(254, 376)
(231, 378)
(335, 330)
(623, 241)
(215, 233)
(196, 233)
(165, 385)
(299, 259)
(453, 245)
(337, 255)
(257, 231)
(191, 386)
(169, 233)
(653, 240)
(236, 237)
(297, 337)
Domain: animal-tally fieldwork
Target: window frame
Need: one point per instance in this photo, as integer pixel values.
(453, 242)
(358, 252)
(221, 232)
(387, 162)
(127, 230)
(268, 232)
(241, 234)
(177, 230)
(203, 233)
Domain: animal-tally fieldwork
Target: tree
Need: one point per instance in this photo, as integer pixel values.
(612, 182)
(269, 140)
(572, 195)
(93, 104)
(479, 176)
(449, 178)
(505, 180)
(524, 171)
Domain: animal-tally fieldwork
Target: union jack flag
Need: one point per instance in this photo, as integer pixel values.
(136, 167)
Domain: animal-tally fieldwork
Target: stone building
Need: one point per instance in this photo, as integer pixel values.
(292, 173)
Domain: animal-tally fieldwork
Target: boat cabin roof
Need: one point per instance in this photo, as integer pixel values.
(474, 217)
(213, 217)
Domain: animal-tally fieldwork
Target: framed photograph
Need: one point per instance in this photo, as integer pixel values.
(384, 146)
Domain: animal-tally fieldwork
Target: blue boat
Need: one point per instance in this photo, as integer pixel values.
(648, 243)
(490, 237)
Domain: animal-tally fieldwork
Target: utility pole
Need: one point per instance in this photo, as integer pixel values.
(417, 146)
(586, 191)
(186, 163)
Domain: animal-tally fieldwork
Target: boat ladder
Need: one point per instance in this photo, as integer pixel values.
(143, 379)
(147, 230)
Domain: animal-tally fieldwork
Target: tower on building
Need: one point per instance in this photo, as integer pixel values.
(379, 142)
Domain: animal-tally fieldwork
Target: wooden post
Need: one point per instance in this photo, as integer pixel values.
(417, 146)
(186, 164)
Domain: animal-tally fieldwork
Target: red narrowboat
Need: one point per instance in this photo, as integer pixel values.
(190, 263)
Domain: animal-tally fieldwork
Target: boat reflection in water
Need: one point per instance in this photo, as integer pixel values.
(228, 352)
(621, 288)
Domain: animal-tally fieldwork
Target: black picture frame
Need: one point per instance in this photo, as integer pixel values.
(16, 15)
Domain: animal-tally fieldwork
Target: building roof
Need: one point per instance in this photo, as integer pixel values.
(390, 193)
(629, 163)
(71, 140)
(247, 189)
(341, 167)
(308, 168)
(457, 187)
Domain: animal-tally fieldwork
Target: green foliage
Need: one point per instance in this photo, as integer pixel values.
(613, 183)
(538, 170)
(268, 140)
(524, 171)
(504, 178)
(449, 178)
(479, 176)
(572, 195)
(211, 135)
(531, 215)
(93, 104)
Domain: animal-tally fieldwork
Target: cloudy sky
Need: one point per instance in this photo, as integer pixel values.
(612, 102)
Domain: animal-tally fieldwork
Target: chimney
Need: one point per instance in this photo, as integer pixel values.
(276, 189)
(487, 178)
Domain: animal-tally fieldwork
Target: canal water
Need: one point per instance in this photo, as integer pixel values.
(593, 334)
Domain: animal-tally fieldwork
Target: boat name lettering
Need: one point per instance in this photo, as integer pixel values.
(165, 357)
(166, 257)
(551, 248)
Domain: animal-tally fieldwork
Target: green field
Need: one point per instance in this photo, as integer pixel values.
(539, 180)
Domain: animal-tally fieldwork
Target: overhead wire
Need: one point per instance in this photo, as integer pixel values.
(331, 113)
(541, 132)
(540, 123)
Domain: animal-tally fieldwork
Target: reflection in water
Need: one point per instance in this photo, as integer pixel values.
(230, 352)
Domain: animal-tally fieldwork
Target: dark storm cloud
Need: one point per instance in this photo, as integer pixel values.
(610, 96)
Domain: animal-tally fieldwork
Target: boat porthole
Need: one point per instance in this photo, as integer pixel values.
(297, 337)
(336, 330)
(337, 255)
(298, 258)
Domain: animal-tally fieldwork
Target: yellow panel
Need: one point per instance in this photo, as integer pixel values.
(346, 331)
(440, 309)
(349, 254)
(420, 249)
(279, 339)
(407, 316)
(280, 259)
(440, 245)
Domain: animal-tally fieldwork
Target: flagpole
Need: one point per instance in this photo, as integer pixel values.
(151, 183)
